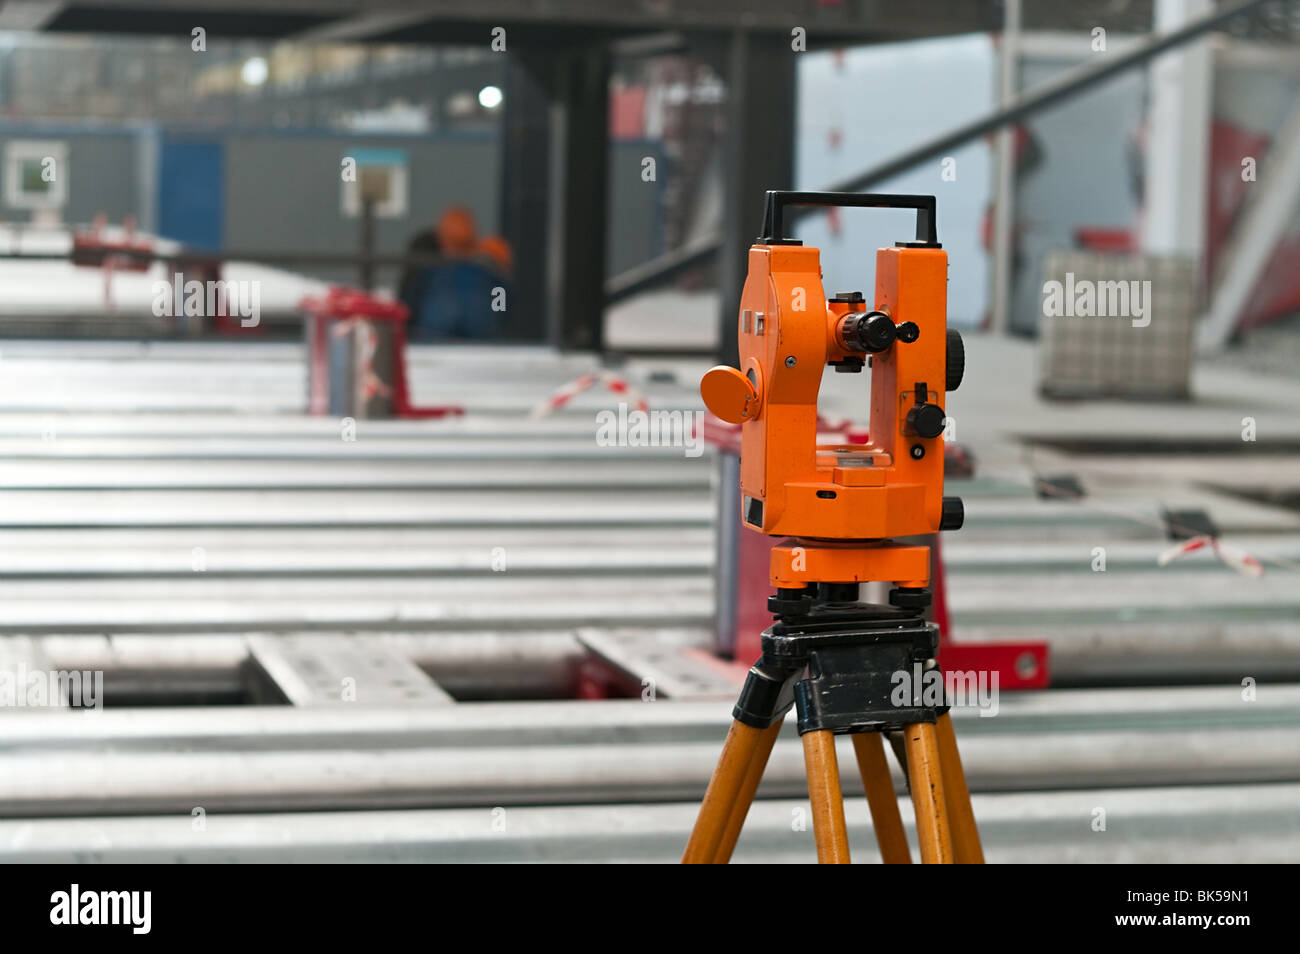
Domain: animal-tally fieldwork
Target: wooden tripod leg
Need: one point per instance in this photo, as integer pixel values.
(927, 794)
(745, 798)
(823, 771)
(966, 847)
(725, 787)
(885, 818)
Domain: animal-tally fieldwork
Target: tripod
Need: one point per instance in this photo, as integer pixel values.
(853, 653)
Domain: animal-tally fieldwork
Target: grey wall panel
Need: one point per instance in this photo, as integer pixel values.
(635, 233)
(101, 172)
(282, 192)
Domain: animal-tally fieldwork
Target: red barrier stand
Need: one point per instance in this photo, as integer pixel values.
(90, 247)
(380, 376)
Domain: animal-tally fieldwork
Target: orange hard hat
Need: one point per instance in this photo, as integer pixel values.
(456, 231)
(498, 249)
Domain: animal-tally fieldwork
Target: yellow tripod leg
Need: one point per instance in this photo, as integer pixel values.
(885, 818)
(823, 770)
(926, 780)
(745, 798)
(965, 835)
(725, 788)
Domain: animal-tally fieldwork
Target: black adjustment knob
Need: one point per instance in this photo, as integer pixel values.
(956, 360)
(876, 333)
(871, 332)
(925, 420)
(953, 514)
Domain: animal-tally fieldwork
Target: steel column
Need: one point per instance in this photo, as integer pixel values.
(760, 156)
(579, 160)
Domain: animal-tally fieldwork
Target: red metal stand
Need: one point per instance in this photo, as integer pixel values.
(90, 248)
(350, 304)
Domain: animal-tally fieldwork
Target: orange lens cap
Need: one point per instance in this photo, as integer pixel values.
(728, 393)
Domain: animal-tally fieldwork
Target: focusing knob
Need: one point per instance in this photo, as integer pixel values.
(875, 332)
(925, 420)
(956, 360)
(872, 332)
(953, 514)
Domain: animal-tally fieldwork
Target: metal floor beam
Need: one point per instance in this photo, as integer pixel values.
(290, 758)
(1207, 825)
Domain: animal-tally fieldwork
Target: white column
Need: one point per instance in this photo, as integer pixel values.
(1004, 170)
(1178, 138)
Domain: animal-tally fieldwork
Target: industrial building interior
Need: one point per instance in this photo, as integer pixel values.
(359, 503)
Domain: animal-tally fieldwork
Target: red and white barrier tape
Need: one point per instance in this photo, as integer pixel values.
(371, 384)
(1238, 559)
(585, 382)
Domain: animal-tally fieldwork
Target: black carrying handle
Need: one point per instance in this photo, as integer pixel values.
(774, 210)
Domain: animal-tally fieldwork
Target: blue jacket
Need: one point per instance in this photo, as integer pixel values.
(454, 300)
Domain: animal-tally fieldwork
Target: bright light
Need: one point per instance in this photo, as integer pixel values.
(254, 71)
(489, 97)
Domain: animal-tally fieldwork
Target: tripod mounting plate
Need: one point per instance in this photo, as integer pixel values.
(861, 674)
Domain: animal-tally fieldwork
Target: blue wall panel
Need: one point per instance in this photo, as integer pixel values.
(191, 193)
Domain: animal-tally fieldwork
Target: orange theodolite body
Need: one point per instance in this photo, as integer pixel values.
(788, 333)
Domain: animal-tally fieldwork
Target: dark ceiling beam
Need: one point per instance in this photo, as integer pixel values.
(176, 21)
(847, 22)
(361, 28)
